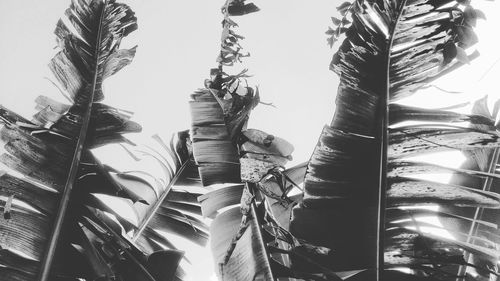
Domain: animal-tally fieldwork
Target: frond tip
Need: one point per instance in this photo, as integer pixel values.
(89, 41)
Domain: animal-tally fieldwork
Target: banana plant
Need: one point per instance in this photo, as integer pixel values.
(58, 193)
(374, 223)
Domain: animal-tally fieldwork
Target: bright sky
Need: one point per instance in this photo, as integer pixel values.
(178, 44)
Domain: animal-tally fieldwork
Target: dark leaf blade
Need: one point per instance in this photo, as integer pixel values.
(42, 200)
(390, 51)
(79, 68)
(26, 233)
(44, 149)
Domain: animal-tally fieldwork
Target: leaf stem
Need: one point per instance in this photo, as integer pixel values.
(152, 211)
(384, 142)
(63, 205)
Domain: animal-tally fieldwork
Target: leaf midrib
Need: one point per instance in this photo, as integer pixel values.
(68, 187)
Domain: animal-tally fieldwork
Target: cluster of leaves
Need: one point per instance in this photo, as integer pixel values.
(463, 17)
(233, 87)
(340, 25)
(224, 104)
